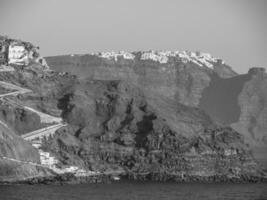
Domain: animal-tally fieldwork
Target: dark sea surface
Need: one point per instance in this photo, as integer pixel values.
(135, 191)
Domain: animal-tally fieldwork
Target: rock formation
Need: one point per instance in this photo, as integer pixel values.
(253, 108)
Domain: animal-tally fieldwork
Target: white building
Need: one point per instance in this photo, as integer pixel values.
(17, 54)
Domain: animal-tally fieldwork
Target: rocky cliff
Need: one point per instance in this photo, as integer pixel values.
(239, 101)
(181, 76)
(186, 78)
(253, 108)
(114, 127)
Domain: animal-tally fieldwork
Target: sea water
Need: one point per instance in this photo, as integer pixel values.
(127, 190)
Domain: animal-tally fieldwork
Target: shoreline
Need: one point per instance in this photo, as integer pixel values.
(69, 178)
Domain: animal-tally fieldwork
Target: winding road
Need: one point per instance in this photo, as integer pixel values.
(44, 118)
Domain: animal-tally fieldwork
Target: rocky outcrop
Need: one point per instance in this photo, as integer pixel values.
(220, 98)
(256, 71)
(253, 106)
(239, 101)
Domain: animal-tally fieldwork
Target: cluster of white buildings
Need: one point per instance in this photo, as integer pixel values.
(230, 152)
(158, 56)
(47, 160)
(52, 163)
(201, 59)
(226, 152)
(115, 55)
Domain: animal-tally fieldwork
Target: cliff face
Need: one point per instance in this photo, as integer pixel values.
(179, 78)
(253, 108)
(230, 99)
(114, 127)
(239, 101)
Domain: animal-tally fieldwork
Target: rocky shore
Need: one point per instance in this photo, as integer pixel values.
(197, 179)
(69, 178)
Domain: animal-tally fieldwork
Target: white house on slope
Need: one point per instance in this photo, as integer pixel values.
(17, 54)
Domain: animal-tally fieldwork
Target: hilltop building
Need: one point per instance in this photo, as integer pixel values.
(16, 52)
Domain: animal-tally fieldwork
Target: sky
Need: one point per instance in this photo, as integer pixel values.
(234, 30)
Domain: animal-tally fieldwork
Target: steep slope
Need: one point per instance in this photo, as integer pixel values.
(18, 159)
(19, 119)
(12, 146)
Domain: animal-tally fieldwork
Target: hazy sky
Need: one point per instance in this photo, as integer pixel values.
(235, 30)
